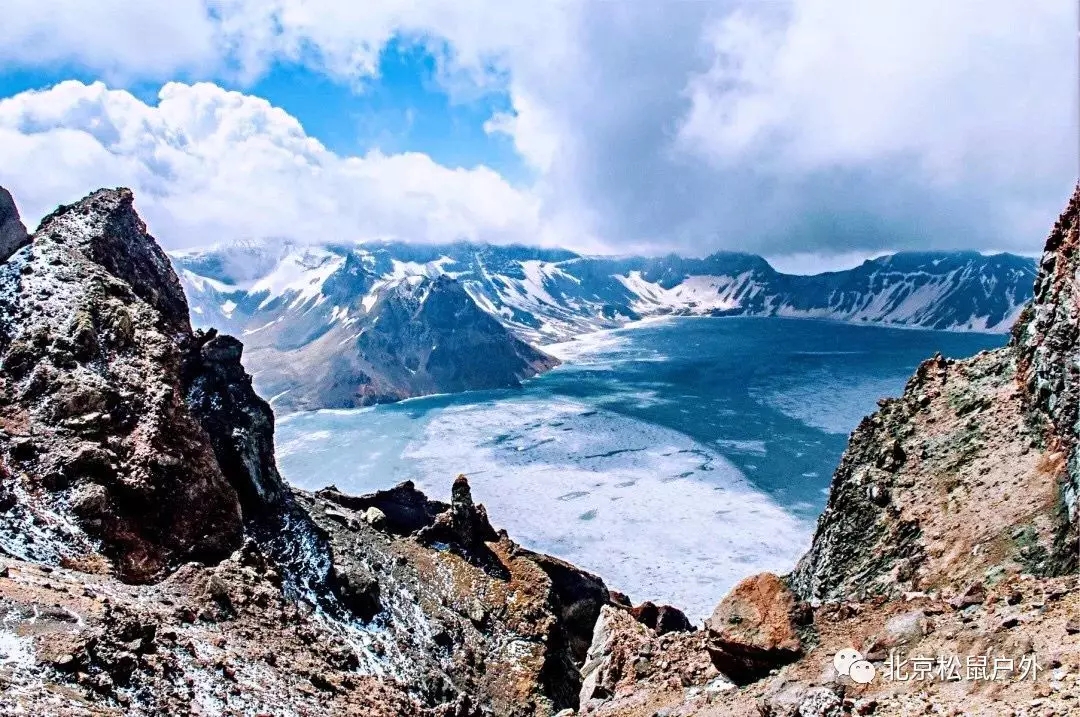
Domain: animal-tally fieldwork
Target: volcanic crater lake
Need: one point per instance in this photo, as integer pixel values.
(672, 458)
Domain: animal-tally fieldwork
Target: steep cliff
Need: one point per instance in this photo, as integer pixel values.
(1047, 338)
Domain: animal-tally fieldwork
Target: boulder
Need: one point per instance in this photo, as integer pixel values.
(754, 629)
(616, 640)
(661, 618)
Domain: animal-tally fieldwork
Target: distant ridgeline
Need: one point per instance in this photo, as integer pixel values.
(337, 325)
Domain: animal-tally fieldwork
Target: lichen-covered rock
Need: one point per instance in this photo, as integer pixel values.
(1047, 338)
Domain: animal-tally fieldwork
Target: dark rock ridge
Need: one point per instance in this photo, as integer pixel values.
(419, 337)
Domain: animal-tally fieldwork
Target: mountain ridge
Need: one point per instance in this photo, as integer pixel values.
(488, 270)
(286, 300)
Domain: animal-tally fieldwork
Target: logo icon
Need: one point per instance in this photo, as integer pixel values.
(844, 659)
(862, 672)
(851, 663)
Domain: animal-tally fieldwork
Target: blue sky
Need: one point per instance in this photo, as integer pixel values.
(401, 109)
(818, 130)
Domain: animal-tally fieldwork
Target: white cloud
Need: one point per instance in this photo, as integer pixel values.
(211, 165)
(797, 126)
(121, 40)
(954, 86)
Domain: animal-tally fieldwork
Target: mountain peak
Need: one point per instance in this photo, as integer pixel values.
(149, 433)
(105, 228)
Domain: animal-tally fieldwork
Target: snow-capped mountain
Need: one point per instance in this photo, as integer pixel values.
(282, 297)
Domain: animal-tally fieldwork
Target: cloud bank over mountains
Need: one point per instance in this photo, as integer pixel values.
(806, 127)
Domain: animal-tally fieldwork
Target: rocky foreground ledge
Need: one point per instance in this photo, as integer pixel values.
(152, 561)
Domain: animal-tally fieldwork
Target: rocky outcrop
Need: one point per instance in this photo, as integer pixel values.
(463, 524)
(131, 443)
(1047, 338)
(105, 467)
(240, 426)
(457, 608)
(13, 234)
(755, 628)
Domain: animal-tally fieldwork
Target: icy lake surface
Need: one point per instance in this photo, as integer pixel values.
(672, 458)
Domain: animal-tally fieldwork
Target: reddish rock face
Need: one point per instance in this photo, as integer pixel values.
(106, 467)
(753, 629)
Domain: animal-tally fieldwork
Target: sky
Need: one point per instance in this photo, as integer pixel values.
(815, 132)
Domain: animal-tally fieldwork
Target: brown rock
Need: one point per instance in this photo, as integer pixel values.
(661, 618)
(106, 426)
(753, 629)
(974, 595)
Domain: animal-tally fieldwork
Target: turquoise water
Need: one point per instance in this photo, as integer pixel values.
(672, 458)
